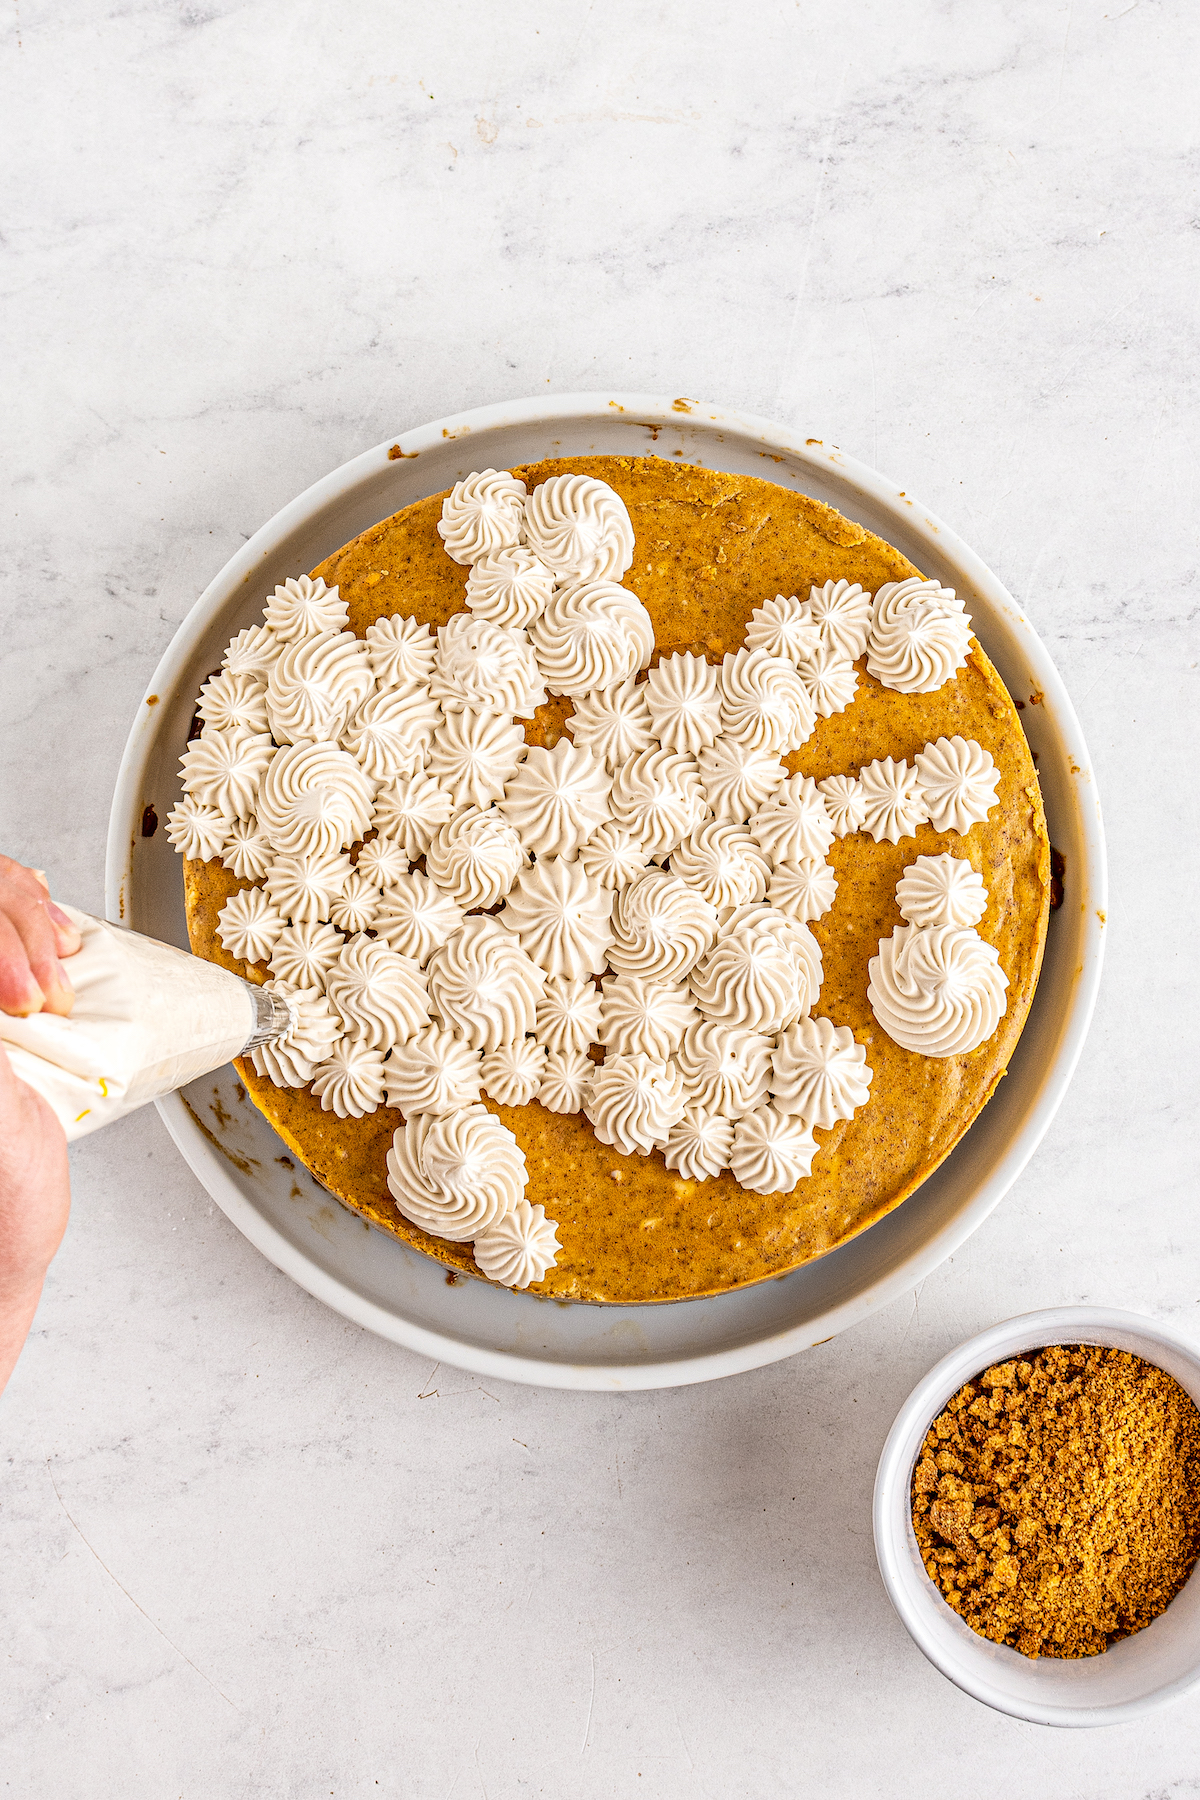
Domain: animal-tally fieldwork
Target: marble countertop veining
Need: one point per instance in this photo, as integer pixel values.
(246, 1548)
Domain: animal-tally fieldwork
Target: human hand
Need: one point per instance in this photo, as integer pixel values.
(35, 1193)
(34, 934)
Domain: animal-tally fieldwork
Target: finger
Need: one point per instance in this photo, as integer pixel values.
(20, 994)
(19, 885)
(67, 940)
(24, 906)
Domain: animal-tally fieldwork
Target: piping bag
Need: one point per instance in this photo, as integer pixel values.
(147, 1019)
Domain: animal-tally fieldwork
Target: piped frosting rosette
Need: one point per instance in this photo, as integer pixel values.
(592, 635)
(223, 770)
(455, 1174)
(315, 683)
(484, 986)
(561, 917)
(763, 972)
(635, 1101)
(938, 989)
(819, 1072)
(482, 514)
(661, 927)
(314, 797)
(485, 668)
(920, 636)
(519, 1248)
(580, 528)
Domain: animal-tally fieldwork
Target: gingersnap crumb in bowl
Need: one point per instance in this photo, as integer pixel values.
(1043, 1483)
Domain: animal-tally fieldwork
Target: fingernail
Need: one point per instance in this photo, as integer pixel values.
(60, 918)
(64, 980)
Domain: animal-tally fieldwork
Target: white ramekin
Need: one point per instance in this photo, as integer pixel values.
(1140, 1672)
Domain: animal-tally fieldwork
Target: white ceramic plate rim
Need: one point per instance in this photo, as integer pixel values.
(910, 518)
(891, 1518)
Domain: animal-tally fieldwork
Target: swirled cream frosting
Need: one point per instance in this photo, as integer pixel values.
(350, 1080)
(290, 1060)
(196, 830)
(568, 1014)
(303, 954)
(247, 851)
(613, 723)
(224, 770)
(941, 890)
(410, 810)
(699, 1145)
(843, 797)
(658, 794)
(958, 780)
(920, 636)
(315, 684)
(248, 925)
(485, 668)
(303, 607)
(512, 1073)
(724, 863)
(304, 883)
(938, 989)
(641, 1015)
(435, 1072)
(356, 907)
(841, 613)
(382, 861)
(510, 587)
(819, 1072)
(483, 985)
(232, 702)
(892, 802)
(390, 733)
(831, 680)
(252, 652)
(314, 797)
(750, 979)
(794, 822)
(683, 697)
(725, 1069)
(455, 1174)
(782, 627)
(613, 856)
(401, 653)
(661, 927)
(473, 756)
(381, 996)
(634, 1102)
(475, 857)
(737, 780)
(591, 636)
(771, 1151)
(482, 514)
(561, 916)
(520, 1247)
(556, 798)
(764, 703)
(580, 528)
(415, 915)
(803, 890)
(567, 1082)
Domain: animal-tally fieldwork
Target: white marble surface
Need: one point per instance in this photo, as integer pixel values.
(246, 1549)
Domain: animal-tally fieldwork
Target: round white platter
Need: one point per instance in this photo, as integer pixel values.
(383, 1284)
